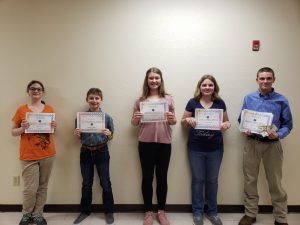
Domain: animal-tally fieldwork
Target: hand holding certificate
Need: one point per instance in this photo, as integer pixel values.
(90, 122)
(256, 122)
(209, 119)
(40, 122)
(153, 111)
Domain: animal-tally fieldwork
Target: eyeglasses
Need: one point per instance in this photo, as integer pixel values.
(33, 89)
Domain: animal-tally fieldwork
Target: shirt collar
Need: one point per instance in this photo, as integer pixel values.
(100, 110)
(270, 94)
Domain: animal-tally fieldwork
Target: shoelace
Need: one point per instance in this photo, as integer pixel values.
(162, 217)
(148, 214)
(39, 219)
(215, 218)
(161, 214)
(26, 218)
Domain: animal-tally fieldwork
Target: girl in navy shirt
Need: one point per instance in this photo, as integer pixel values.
(205, 149)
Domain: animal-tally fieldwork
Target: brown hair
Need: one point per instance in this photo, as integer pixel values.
(215, 95)
(146, 89)
(94, 91)
(265, 69)
(35, 82)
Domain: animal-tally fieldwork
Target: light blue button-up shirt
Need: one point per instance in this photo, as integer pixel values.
(274, 103)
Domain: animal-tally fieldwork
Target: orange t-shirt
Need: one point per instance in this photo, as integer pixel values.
(34, 146)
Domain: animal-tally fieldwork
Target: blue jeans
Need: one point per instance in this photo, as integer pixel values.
(205, 171)
(99, 158)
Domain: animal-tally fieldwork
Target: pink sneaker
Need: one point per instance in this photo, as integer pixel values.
(148, 219)
(162, 219)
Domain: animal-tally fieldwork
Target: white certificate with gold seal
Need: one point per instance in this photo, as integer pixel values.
(153, 111)
(209, 119)
(91, 122)
(255, 121)
(39, 122)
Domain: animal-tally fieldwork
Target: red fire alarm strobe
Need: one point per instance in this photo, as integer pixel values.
(255, 45)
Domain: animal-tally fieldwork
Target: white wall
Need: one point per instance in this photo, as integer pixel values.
(74, 45)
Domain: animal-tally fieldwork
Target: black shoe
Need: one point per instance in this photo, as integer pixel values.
(80, 218)
(277, 223)
(26, 219)
(247, 220)
(109, 218)
(39, 220)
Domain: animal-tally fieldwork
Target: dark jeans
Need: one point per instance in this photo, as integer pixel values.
(154, 157)
(99, 158)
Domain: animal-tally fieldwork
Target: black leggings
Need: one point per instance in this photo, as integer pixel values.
(154, 156)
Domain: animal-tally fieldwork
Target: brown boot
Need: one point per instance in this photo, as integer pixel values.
(247, 220)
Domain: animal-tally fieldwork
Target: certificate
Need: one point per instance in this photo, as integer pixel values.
(40, 122)
(256, 122)
(209, 119)
(153, 111)
(90, 122)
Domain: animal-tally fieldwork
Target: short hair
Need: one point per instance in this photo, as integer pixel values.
(265, 69)
(94, 91)
(35, 82)
(215, 95)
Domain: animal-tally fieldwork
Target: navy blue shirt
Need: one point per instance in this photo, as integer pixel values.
(92, 139)
(274, 103)
(204, 140)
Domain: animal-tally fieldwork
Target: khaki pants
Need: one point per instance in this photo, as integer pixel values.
(272, 156)
(36, 176)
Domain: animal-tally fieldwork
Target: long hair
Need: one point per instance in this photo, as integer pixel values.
(215, 95)
(146, 89)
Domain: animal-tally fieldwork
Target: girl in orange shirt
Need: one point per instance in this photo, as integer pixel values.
(37, 151)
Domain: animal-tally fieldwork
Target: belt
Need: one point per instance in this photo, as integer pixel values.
(262, 139)
(93, 147)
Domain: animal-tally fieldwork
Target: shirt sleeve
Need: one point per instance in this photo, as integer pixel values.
(136, 106)
(17, 118)
(190, 106)
(223, 105)
(171, 105)
(286, 121)
(109, 123)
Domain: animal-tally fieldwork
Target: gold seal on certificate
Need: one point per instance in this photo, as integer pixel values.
(256, 122)
(90, 122)
(153, 111)
(40, 122)
(209, 119)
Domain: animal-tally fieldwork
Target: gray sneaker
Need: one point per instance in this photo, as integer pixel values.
(26, 219)
(109, 218)
(39, 220)
(198, 220)
(80, 218)
(215, 220)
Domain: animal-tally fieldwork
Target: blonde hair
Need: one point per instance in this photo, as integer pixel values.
(215, 95)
